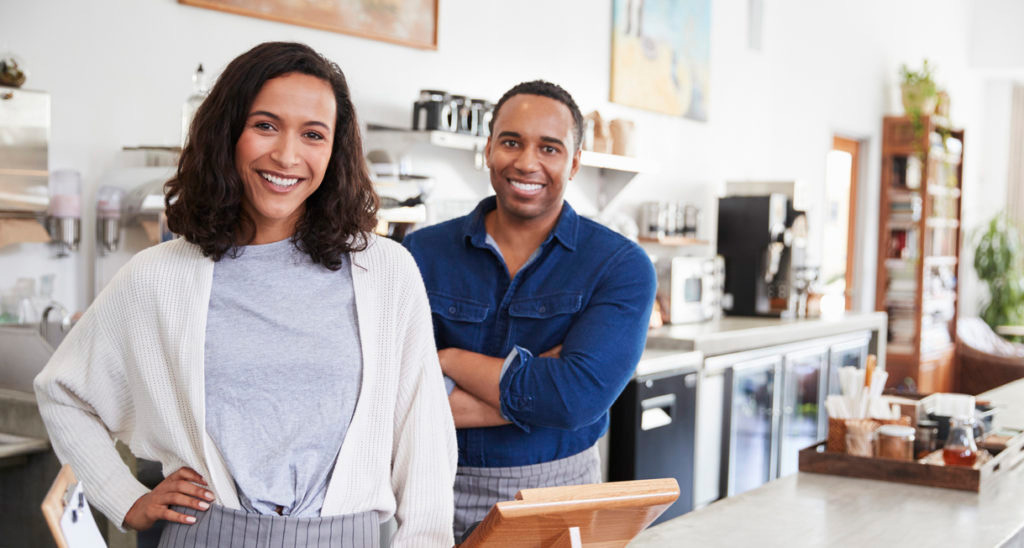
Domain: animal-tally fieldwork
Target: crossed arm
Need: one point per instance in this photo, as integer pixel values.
(475, 402)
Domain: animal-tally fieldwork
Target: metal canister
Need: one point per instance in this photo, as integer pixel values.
(691, 219)
(650, 220)
(926, 440)
(669, 220)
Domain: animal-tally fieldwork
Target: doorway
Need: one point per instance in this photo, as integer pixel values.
(837, 264)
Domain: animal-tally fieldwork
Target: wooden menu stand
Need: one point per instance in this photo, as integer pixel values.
(605, 515)
(53, 503)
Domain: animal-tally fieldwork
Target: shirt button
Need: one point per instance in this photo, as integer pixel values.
(543, 309)
(451, 309)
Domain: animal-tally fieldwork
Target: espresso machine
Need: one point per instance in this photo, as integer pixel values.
(762, 240)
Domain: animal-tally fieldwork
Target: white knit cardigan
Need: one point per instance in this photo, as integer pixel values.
(132, 369)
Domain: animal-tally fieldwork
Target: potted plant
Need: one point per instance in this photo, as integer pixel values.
(999, 262)
(920, 94)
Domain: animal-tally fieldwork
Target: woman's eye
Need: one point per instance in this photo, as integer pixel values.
(263, 125)
(314, 136)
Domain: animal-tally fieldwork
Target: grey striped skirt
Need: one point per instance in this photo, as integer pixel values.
(477, 489)
(223, 527)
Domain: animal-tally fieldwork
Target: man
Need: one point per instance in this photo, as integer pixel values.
(540, 315)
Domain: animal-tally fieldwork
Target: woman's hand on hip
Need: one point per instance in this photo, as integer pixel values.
(177, 489)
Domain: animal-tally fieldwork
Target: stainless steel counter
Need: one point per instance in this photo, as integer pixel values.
(21, 428)
(16, 446)
(654, 360)
(821, 510)
(735, 334)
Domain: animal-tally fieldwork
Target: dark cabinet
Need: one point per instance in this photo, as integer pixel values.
(651, 434)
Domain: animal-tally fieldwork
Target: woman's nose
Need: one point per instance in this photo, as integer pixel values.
(285, 152)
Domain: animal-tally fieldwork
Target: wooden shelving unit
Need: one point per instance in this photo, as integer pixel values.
(919, 241)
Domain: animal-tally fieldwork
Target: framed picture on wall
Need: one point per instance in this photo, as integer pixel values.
(406, 22)
(661, 56)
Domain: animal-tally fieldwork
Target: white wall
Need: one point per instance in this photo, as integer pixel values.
(991, 138)
(996, 37)
(119, 70)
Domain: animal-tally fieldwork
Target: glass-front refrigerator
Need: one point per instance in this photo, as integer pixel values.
(753, 423)
(848, 352)
(803, 389)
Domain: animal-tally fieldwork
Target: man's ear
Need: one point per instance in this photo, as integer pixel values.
(575, 162)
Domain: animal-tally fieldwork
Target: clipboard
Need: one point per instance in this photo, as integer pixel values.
(68, 514)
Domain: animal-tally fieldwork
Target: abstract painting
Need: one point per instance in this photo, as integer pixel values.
(406, 22)
(661, 56)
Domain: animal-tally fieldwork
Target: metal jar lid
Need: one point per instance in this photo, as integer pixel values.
(896, 431)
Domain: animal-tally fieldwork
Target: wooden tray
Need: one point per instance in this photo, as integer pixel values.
(816, 459)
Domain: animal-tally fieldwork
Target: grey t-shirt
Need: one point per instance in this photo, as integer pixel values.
(283, 371)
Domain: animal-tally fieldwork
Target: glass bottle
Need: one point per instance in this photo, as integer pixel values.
(188, 110)
(960, 449)
(926, 439)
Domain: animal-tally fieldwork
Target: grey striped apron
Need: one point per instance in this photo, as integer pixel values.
(477, 489)
(223, 527)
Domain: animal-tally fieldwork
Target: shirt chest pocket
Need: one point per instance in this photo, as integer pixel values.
(458, 322)
(545, 318)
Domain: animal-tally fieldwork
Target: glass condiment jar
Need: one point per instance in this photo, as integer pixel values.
(894, 442)
(926, 440)
(960, 449)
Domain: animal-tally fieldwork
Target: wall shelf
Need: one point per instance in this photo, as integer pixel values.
(674, 241)
(940, 260)
(616, 172)
(461, 141)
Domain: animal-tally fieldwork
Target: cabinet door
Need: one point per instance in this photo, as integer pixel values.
(708, 450)
(651, 434)
(841, 354)
(803, 417)
(753, 424)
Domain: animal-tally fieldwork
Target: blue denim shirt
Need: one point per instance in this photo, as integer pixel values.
(589, 289)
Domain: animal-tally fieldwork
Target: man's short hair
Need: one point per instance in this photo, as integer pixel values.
(553, 91)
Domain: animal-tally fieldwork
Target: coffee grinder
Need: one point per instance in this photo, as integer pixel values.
(762, 240)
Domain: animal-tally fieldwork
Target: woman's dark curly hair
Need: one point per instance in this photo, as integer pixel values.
(204, 199)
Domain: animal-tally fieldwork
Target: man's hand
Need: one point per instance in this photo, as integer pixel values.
(475, 373)
(555, 352)
(447, 356)
(479, 374)
(176, 489)
(470, 412)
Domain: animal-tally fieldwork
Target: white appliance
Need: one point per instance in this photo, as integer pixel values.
(690, 289)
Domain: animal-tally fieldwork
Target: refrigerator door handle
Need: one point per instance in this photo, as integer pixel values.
(657, 411)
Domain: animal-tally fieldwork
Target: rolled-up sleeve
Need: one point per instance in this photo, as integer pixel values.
(598, 356)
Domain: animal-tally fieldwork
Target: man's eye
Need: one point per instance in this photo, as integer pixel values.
(510, 143)
(549, 150)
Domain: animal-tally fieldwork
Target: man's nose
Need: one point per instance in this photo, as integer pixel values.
(527, 160)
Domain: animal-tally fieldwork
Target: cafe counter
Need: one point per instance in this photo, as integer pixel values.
(806, 509)
(737, 333)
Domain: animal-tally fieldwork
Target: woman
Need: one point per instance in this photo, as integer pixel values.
(278, 359)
